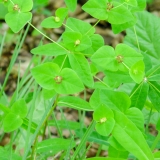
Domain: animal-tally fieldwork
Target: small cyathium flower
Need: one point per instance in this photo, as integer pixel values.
(119, 59)
(58, 79)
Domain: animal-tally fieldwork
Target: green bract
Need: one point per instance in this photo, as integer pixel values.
(121, 59)
(50, 77)
(14, 118)
(57, 20)
(18, 14)
(113, 12)
(105, 120)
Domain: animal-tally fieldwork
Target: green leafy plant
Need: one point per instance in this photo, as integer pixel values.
(123, 102)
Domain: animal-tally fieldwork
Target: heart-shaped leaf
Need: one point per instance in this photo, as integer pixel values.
(20, 108)
(57, 20)
(12, 122)
(137, 71)
(105, 120)
(49, 76)
(17, 20)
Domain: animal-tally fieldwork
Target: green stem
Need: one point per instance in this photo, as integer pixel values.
(136, 90)
(68, 27)
(63, 62)
(48, 37)
(154, 87)
(84, 139)
(45, 120)
(125, 65)
(155, 142)
(92, 27)
(137, 39)
(99, 150)
(101, 81)
(153, 72)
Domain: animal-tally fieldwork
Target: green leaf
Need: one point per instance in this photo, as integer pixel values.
(97, 41)
(17, 20)
(94, 136)
(115, 79)
(3, 11)
(115, 100)
(157, 155)
(114, 153)
(154, 95)
(76, 25)
(57, 20)
(60, 61)
(136, 116)
(104, 117)
(154, 73)
(93, 5)
(20, 108)
(137, 71)
(75, 103)
(125, 131)
(147, 35)
(71, 83)
(49, 76)
(75, 41)
(158, 125)
(123, 56)
(130, 2)
(119, 14)
(5, 154)
(114, 143)
(64, 124)
(11, 122)
(24, 6)
(139, 95)
(53, 146)
(71, 4)
(80, 64)
(120, 100)
(126, 56)
(141, 5)
(117, 28)
(47, 94)
(45, 73)
(51, 49)
(105, 58)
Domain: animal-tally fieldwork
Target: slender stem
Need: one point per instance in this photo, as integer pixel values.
(92, 27)
(155, 142)
(99, 150)
(45, 120)
(137, 39)
(136, 90)
(101, 81)
(154, 87)
(63, 62)
(125, 65)
(68, 27)
(2, 43)
(153, 72)
(47, 37)
(84, 139)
